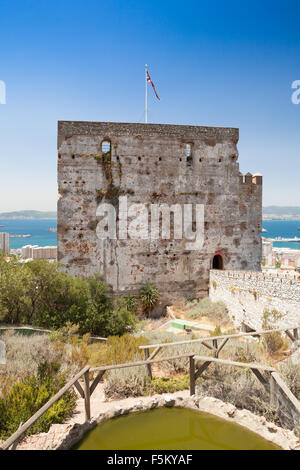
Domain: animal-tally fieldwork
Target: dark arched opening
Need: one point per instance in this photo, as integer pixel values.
(217, 262)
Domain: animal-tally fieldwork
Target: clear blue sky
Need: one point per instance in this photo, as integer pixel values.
(221, 63)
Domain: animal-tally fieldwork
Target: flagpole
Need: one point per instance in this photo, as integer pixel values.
(146, 98)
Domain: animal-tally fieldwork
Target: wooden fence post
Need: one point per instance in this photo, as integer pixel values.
(192, 375)
(87, 398)
(14, 446)
(215, 345)
(273, 396)
(149, 368)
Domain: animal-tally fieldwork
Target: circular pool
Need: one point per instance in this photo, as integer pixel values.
(171, 429)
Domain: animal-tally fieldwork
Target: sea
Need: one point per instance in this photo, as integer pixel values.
(39, 235)
(284, 229)
(36, 228)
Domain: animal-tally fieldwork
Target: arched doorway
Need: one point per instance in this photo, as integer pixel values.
(217, 262)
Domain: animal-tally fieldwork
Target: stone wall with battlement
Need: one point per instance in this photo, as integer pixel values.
(148, 163)
(248, 295)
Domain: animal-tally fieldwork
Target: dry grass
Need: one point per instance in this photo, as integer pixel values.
(24, 354)
(241, 388)
(124, 383)
(215, 311)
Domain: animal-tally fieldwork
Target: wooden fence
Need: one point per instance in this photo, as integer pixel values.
(272, 383)
(215, 343)
(85, 392)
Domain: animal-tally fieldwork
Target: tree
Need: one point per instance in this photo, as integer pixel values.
(38, 293)
(14, 299)
(149, 295)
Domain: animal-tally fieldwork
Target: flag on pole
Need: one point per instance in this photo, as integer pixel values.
(150, 81)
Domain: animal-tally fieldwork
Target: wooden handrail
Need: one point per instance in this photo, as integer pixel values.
(225, 362)
(214, 342)
(286, 393)
(85, 393)
(138, 363)
(212, 338)
(87, 390)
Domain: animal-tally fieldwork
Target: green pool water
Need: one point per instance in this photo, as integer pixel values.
(171, 429)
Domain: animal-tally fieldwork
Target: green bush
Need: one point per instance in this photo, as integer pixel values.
(37, 293)
(82, 351)
(134, 382)
(116, 350)
(168, 384)
(216, 332)
(21, 400)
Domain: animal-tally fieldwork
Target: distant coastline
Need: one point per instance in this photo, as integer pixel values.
(281, 213)
(278, 217)
(28, 215)
(268, 213)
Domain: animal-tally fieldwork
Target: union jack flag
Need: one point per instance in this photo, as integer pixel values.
(150, 81)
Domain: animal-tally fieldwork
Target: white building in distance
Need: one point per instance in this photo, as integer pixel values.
(39, 252)
(4, 242)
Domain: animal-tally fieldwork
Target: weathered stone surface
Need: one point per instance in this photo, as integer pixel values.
(148, 164)
(248, 295)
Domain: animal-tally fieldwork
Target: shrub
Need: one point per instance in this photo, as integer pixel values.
(134, 382)
(37, 293)
(245, 354)
(240, 388)
(117, 350)
(180, 365)
(131, 303)
(217, 331)
(20, 401)
(270, 318)
(25, 353)
(168, 384)
(217, 311)
(291, 375)
(274, 342)
(149, 296)
(123, 383)
(81, 351)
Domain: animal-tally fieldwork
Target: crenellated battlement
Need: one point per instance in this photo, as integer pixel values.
(244, 275)
(250, 179)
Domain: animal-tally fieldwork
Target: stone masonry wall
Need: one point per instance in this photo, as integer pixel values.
(248, 295)
(148, 164)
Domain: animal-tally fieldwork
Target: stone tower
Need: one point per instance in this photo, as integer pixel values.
(154, 164)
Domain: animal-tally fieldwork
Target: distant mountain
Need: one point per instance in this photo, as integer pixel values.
(281, 210)
(28, 215)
